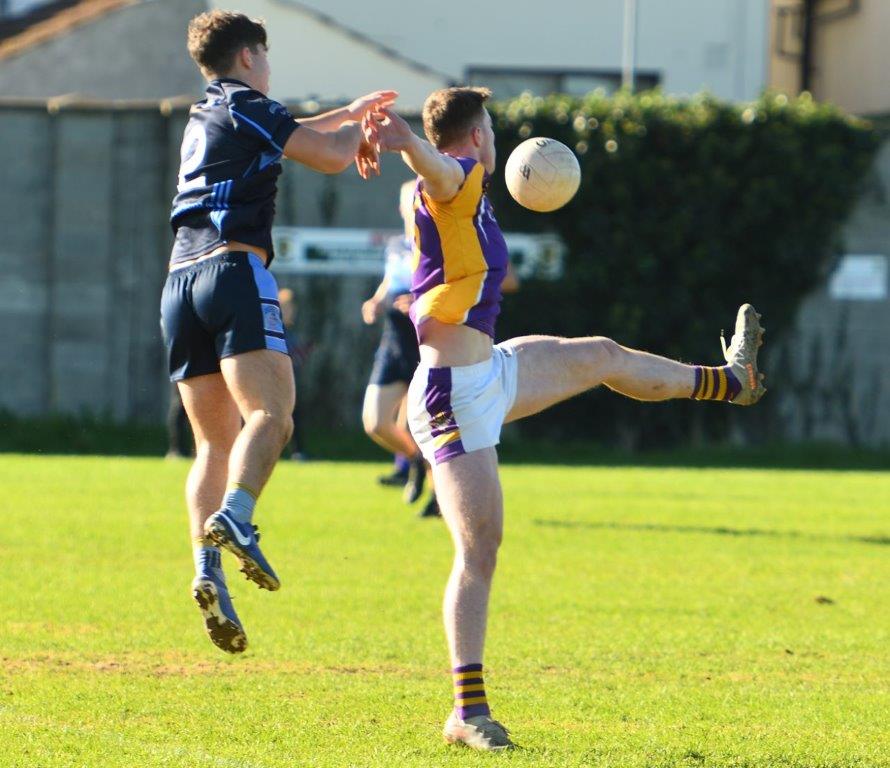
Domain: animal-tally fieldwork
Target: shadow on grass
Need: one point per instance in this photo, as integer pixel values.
(804, 456)
(715, 530)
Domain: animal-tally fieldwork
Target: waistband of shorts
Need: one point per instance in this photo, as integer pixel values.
(223, 257)
(460, 372)
(465, 372)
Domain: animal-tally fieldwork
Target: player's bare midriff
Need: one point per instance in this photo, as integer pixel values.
(232, 245)
(446, 345)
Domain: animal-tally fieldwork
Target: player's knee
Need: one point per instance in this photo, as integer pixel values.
(605, 346)
(481, 560)
(288, 428)
(480, 555)
(607, 353)
(371, 422)
(216, 448)
(216, 442)
(211, 457)
(284, 425)
(279, 425)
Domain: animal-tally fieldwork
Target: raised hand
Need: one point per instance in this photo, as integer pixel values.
(393, 134)
(371, 102)
(403, 303)
(367, 160)
(370, 311)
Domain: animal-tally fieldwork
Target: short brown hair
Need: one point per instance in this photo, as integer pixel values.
(450, 113)
(215, 37)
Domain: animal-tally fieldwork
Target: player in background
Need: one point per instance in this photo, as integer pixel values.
(179, 433)
(220, 314)
(383, 412)
(466, 387)
(397, 354)
(299, 352)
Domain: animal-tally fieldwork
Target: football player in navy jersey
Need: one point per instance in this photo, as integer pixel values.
(219, 311)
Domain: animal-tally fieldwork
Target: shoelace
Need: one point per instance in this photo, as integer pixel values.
(732, 349)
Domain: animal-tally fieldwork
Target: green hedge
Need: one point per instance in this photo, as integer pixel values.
(687, 208)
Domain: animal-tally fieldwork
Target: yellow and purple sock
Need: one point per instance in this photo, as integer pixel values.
(715, 383)
(469, 691)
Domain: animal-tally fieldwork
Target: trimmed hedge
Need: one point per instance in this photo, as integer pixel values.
(687, 208)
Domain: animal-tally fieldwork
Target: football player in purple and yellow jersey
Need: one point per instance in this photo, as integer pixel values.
(466, 386)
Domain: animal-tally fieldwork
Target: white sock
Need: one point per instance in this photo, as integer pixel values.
(239, 503)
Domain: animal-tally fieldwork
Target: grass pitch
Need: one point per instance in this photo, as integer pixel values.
(640, 618)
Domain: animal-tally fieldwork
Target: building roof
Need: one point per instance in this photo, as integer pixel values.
(47, 21)
(363, 39)
(51, 20)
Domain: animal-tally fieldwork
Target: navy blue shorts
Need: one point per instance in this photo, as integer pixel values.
(216, 308)
(390, 367)
(398, 355)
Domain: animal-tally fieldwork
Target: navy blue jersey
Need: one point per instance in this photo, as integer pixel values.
(230, 163)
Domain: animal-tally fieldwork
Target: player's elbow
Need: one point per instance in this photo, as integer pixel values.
(322, 164)
(337, 163)
(334, 159)
(341, 151)
(325, 153)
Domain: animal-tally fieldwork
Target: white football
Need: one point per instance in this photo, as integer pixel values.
(542, 174)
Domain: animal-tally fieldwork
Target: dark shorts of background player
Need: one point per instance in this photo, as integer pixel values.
(216, 308)
(398, 354)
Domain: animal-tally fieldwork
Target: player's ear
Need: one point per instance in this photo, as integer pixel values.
(476, 135)
(245, 57)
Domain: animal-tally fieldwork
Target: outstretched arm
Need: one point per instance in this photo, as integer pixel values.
(329, 152)
(442, 175)
(330, 142)
(331, 121)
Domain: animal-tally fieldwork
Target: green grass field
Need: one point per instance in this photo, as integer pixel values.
(641, 617)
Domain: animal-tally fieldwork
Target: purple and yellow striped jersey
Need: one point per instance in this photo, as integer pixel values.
(460, 257)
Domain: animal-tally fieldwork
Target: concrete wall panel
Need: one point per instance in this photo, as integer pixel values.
(84, 194)
(85, 253)
(25, 220)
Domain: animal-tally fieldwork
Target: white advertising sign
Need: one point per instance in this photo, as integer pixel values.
(859, 277)
(327, 251)
(330, 251)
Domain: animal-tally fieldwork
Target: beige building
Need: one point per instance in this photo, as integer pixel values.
(837, 48)
(848, 40)
(330, 50)
(135, 49)
(314, 57)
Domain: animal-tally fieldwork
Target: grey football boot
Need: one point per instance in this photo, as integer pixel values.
(477, 732)
(741, 354)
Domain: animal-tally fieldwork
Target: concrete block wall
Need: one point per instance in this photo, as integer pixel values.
(84, 256)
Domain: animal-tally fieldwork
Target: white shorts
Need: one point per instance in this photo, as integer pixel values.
(452, 411)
